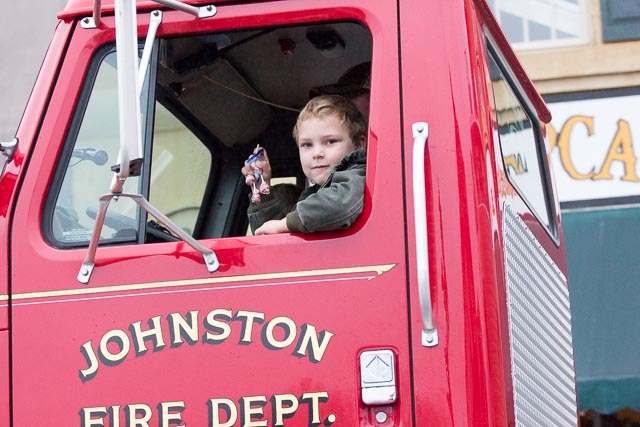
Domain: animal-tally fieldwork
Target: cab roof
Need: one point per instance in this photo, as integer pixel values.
(75, 8)
(80, 8)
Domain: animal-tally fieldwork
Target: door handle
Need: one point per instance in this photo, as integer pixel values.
(378, 377)
(420, 136)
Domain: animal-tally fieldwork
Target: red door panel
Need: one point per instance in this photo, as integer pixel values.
(272, 338)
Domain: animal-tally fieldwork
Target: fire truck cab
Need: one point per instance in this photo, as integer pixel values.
(132, 293)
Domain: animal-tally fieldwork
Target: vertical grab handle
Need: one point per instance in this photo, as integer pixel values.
(420, 136)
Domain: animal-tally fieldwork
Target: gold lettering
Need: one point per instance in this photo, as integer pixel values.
(315, 399)
(564, 142)
(171, 411)
(552, 136)
(92, 361)
(289, 327)
(223, 327)
(88, 416)
(277, 334)
(621, 150)
(114, 412)
(282, 411)
(515, 163)
(310, 341)
(253, 406)
(138, 415)
(247, 324)
(180, 326)
(226, 405)
(154, 333)
(124, 344)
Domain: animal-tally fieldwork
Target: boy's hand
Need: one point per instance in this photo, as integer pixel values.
(273, 227)
(263, 165)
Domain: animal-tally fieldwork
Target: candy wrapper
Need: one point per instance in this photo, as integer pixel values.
(256, 181)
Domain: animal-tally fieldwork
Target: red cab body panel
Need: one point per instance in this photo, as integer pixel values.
(275, 336)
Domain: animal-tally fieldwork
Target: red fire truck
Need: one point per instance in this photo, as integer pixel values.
(133, 295)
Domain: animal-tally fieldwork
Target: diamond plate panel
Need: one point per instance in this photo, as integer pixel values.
(539, 331)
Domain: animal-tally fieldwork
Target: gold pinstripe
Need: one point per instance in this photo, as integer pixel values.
(377, 269)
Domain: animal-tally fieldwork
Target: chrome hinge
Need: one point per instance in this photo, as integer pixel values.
(88, 23)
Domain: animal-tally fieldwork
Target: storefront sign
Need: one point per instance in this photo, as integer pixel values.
(595, 148)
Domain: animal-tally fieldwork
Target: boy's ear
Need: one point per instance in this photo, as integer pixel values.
(361, 143)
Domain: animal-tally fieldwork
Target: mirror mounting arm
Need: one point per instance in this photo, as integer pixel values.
(8, 149)
(206, 11)
(88, 264)
(129, 163)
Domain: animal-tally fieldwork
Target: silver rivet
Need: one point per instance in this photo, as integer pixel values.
(85, 271)
(381, 417)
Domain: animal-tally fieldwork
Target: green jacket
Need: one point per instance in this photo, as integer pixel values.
(335, 205)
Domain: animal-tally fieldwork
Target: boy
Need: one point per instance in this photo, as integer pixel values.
(331, 137)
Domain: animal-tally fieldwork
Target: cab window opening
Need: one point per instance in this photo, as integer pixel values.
(214, 97)
(521, 143)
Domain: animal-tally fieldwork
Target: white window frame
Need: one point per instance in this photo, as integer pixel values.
(549, 13)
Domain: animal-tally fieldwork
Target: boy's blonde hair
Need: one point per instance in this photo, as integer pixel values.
(339, 106)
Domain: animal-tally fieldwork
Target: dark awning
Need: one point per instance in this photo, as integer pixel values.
(603, 251)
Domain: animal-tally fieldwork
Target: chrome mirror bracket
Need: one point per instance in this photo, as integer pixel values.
(8, 149)
(210, 258)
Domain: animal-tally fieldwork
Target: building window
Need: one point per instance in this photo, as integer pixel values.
(534, 24)
(620, 20)
(209, 99)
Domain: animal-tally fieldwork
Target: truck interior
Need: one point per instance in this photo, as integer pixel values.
(207, 101)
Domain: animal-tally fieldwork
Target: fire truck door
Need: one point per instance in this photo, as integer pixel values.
(436, 96)
(293, 329)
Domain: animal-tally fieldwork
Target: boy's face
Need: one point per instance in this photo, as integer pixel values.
(322, 143)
